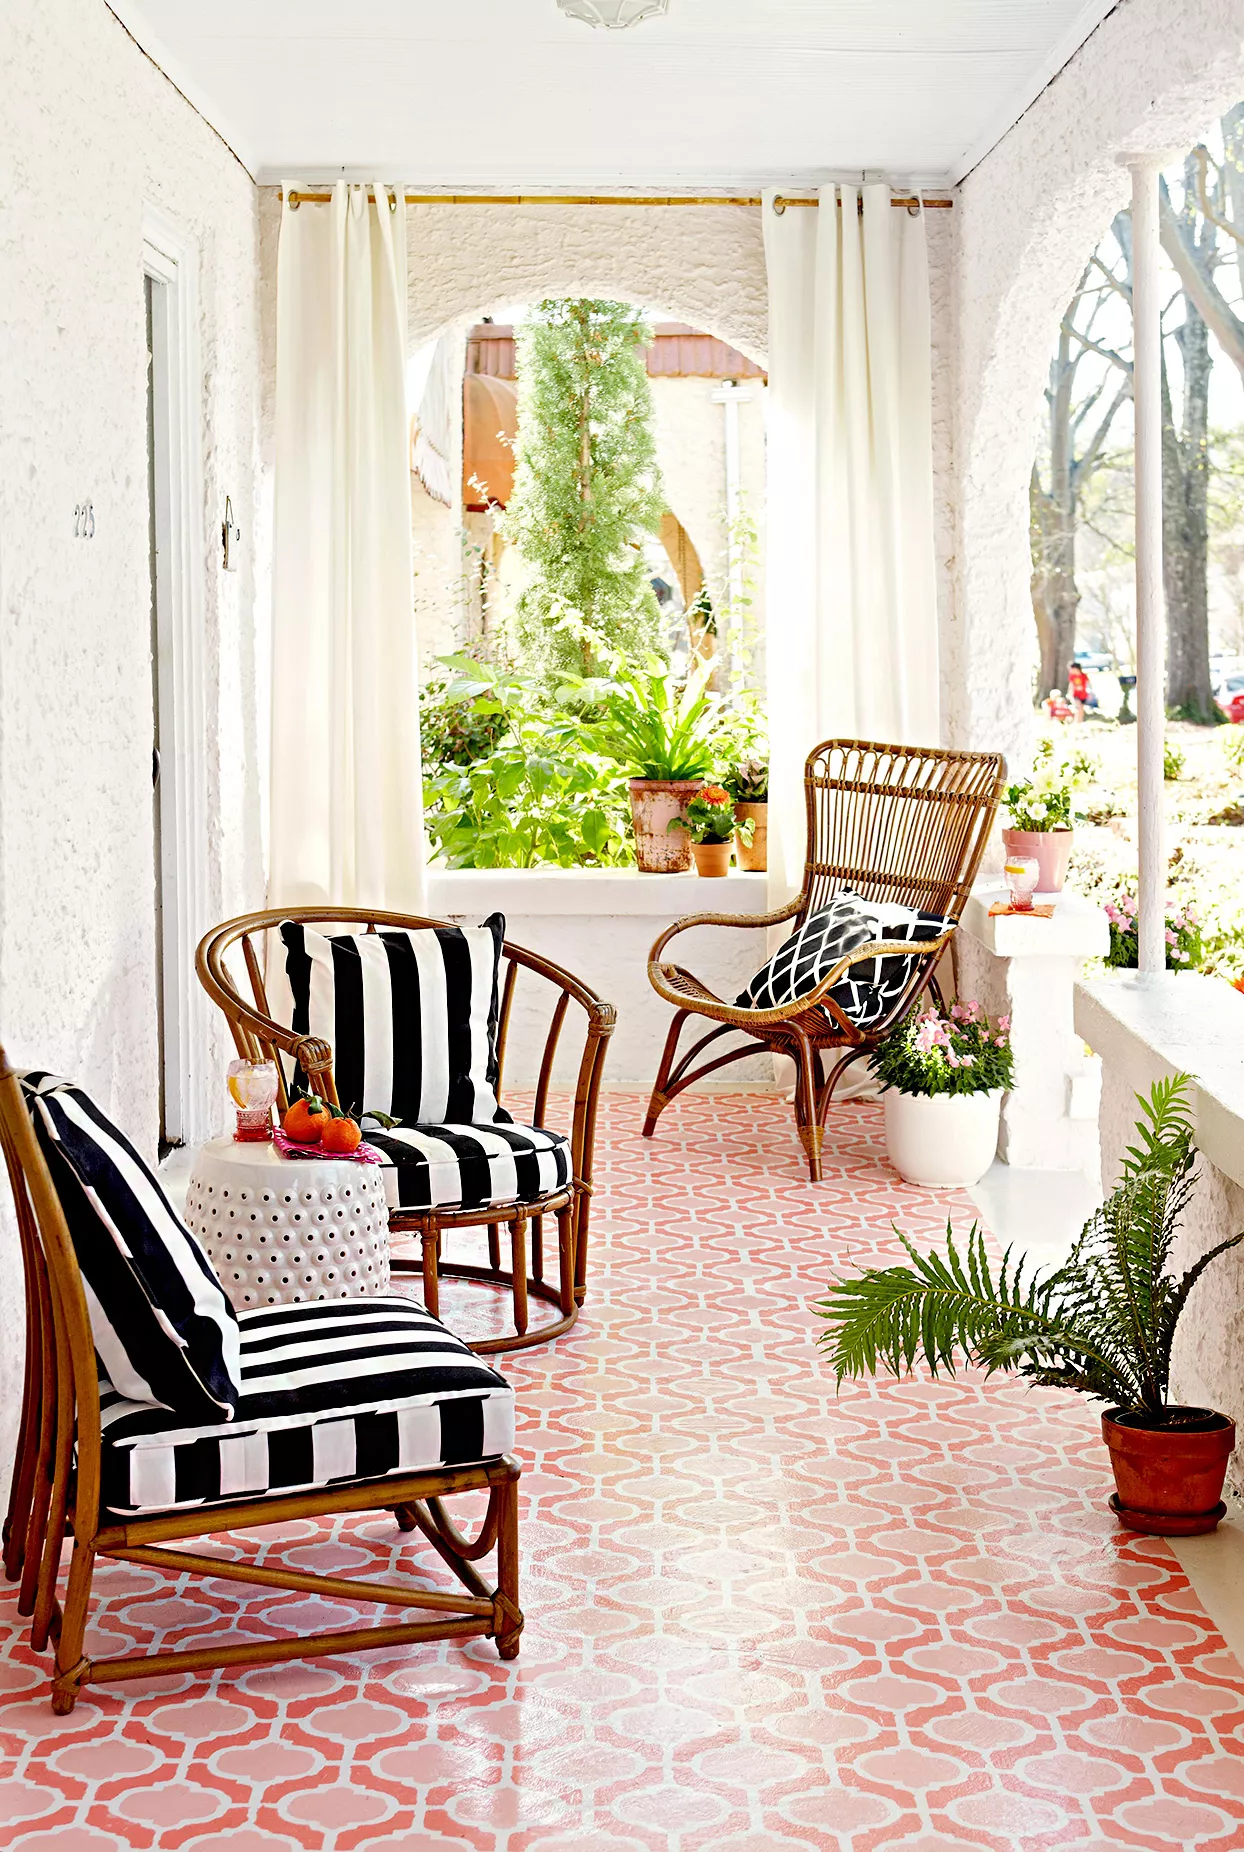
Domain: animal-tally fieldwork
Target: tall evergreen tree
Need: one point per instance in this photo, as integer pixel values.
(587, 486)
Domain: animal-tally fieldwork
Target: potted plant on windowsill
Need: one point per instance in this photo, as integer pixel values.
(1103, 1323)
(1039, 809)
(664, 733)
(710, 823)
(944, 1071)
(748, 784)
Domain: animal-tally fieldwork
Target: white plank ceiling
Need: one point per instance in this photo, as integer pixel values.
(509, 94)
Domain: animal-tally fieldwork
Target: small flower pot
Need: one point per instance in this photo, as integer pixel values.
(711, 858)
(655, 803)
(753, 855)
(942, 1140)
(1052, 848)
(1168, 1474)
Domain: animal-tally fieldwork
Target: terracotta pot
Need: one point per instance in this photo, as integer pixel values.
(1169, 1479)
(756, 854)
(942, 1140)
(712, 858)
(655, 802)
(1052, 849)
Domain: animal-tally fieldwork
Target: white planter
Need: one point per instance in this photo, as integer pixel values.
(943, 1139)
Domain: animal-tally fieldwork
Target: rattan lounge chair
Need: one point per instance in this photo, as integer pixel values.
(78, 1439)
(896, 823)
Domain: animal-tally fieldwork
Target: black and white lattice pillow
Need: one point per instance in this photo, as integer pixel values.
(868, 991)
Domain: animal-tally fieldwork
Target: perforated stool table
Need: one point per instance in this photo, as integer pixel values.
(280, 1231)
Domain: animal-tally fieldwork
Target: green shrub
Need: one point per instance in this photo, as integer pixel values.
(1173, 762)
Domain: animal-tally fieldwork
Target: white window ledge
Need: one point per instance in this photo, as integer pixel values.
(1182, 1022)
(600, 892)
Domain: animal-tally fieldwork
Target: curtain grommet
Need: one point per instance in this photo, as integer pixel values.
(779, 204)
(293, 201)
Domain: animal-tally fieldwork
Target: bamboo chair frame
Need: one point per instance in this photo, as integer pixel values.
(258, 1036)
(56, 1492)
(896, 823)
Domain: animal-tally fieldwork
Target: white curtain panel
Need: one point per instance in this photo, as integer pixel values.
(851, 592)
(346, 811)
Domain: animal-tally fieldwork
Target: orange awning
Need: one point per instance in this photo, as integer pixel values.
(489, 428)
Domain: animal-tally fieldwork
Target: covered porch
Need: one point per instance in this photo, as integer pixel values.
(763, 1611)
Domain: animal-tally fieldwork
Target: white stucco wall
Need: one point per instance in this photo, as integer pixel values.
(1153, 76)
(89, 133)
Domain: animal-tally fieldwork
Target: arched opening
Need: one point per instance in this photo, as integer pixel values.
(702, 557)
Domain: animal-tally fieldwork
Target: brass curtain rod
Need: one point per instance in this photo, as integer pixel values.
(781, 201)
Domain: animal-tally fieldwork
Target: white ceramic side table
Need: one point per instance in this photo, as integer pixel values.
(280, 1231)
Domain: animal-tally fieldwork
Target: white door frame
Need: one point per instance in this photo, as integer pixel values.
(171, 259)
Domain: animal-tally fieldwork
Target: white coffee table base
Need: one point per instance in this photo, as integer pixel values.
(281, 1231)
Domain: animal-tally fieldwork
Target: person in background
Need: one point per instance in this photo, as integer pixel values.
(1079, 690)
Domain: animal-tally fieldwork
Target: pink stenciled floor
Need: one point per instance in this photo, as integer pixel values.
(760, 1617)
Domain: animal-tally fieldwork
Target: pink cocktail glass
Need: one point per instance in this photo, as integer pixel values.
(1022, 873)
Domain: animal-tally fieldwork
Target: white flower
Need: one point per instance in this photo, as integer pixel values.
(1037, 808)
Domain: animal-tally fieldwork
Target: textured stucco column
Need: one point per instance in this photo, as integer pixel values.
(1027, 969)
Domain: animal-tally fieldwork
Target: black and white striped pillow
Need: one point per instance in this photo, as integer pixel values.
(410, 1014)
(866, 992)
(164, 1331)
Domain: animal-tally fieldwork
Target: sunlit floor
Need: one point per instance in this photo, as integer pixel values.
(761, 1616)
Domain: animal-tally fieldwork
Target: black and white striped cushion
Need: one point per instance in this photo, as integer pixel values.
(469, 1166)
(867, 991)
(411, 1016)
(333, 1390)
(164, 1331)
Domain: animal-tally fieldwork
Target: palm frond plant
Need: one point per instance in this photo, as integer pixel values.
(657, 727)
(1103, 1323)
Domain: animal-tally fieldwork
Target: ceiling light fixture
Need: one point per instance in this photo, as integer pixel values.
(613, 15)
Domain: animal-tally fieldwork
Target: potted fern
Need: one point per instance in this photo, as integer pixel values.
(665, 734)
(1103, 1324)
(944, 1071)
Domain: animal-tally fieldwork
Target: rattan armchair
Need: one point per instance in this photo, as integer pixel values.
(58, 1490)
(258, 1035)
(896, 823)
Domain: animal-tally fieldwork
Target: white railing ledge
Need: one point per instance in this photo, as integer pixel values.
(522, 893)
(1079, 928)
(1176, 1022)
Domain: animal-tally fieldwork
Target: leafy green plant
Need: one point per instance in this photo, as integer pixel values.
(453, 728)
(748, 781)
(655, 726)
(946, 1050)
(1103, 1323)
(537, 798)
(1174, 763)
(1182, 930)
(539, 794)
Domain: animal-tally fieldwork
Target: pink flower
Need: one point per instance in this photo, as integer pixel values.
(967, 1061)
(1171, 937)
(1004, 1023)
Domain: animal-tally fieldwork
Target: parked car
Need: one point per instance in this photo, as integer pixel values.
(1230, 698)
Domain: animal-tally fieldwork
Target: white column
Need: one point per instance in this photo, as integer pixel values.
(1150, 600)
